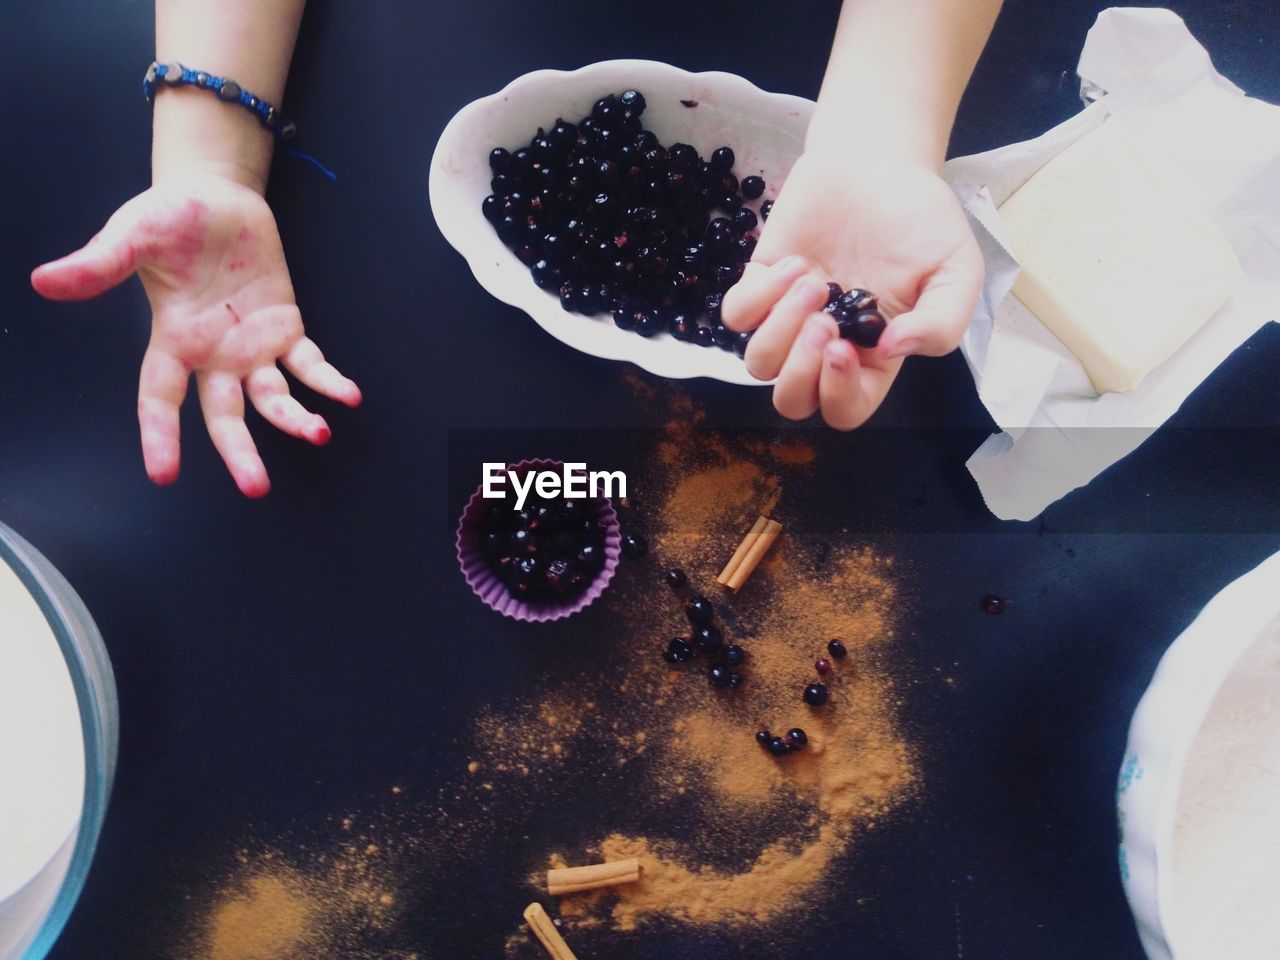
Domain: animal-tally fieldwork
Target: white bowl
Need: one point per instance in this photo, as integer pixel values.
(1151, 798)
(766, 131)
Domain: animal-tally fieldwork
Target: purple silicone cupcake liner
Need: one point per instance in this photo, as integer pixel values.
(486, 585)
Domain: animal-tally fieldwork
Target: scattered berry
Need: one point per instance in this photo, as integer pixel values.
(719, 675)
(797, 739)
(815, 694)
(993, 605)
(836, 649)
(822, 666)
(778, 747)
(634, 545)
(766, 208)
(678, 651)
(752, 187)
(676, 579)
(735, 681)
(699, 611)
(763, 737)
(734, 655)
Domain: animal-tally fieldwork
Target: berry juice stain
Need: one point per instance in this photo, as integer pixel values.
(235, 317)
(689, 103)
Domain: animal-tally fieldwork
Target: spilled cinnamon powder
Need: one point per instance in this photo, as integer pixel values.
(337, 897)
(745, 837)
(272, 917)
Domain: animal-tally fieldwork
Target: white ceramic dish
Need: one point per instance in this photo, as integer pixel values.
(1165, 727)
(766, 131)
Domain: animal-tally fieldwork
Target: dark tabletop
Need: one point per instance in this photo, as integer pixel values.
(282, 661)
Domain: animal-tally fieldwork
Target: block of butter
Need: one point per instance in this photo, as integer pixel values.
(1117, 262)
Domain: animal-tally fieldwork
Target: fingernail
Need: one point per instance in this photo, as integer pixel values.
(904, 347)
(838, 360)
(807, 288)
(816, 334)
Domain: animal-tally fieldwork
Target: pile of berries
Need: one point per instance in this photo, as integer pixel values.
(796, 739)
(856, 314)
(548, 551)
(705, 640)
(614, 221)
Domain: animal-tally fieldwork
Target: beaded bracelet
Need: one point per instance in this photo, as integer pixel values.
(176, 75)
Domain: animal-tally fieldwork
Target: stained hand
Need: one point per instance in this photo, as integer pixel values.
(894, 228)
(209, 256)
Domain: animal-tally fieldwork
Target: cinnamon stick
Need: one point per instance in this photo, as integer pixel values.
(755, 554)
(547, 933)
(744, 548)
(576, 879)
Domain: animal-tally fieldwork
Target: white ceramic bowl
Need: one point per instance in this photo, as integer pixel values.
(1165, 726)
(766, 131)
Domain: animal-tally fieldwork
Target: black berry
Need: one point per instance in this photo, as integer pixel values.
(766, 208)
(863, 328)
(752, 187)
(778, 747)
(722, 159)
(763, 737)
(719, 675)
(836, 649)
(678, 651)
(676, 579)
(634, 545)
(734, 655)
(707, 639)
(699, 611)
(993, 605)
(797, 738)
(815, 694)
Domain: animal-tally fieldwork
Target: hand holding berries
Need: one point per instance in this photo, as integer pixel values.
(882, 223)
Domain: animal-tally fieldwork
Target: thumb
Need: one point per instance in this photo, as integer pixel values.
(104, 262)
(936, 322)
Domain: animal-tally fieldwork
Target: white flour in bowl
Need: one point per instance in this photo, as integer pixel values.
(41, 766)
(1226, 842)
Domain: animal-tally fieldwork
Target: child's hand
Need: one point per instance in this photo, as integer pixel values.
(209, 255)
(893, 228)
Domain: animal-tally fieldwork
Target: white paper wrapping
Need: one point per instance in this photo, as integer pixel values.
(1149, 73)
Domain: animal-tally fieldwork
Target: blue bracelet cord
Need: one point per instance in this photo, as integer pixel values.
(227, 90)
